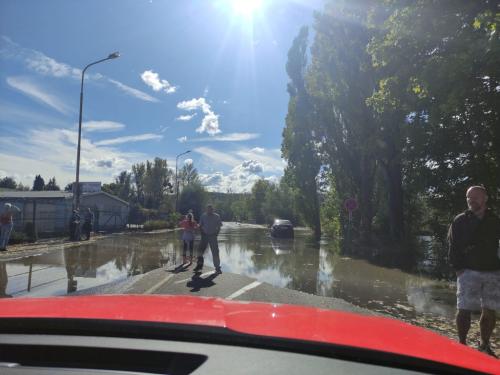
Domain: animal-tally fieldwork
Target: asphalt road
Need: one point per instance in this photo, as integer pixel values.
(184, 281)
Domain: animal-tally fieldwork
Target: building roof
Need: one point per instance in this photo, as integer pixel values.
(107, 194)
(13, 194)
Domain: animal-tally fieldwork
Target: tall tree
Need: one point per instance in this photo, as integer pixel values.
(188, 175)
(340, 81)
(8, 183)
(38, 183)
(439, 62)
(298, 148)
(52, 185)
(157, 180)
(139, 173)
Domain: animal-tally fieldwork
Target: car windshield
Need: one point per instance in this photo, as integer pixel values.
(148, 147)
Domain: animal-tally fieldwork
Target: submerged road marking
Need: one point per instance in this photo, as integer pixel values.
(202, 275)
(158, 285)
(244, 289)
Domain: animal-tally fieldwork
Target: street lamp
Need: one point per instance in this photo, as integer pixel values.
(111, 56)
(176, 178)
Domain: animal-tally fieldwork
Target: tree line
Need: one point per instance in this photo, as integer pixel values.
(395, 103)
(38, 184)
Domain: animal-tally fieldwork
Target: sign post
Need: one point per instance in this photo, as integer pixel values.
(350, 205)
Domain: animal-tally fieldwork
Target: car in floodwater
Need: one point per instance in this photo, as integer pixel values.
(282, 229)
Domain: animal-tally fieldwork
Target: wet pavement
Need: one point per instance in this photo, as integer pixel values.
(116, 263)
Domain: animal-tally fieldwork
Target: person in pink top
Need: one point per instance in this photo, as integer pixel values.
(189, 225)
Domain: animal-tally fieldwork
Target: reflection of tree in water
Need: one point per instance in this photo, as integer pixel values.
(149, 253)
(300, 265)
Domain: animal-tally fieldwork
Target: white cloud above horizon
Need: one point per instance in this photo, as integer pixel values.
(185, 117)
(25, 157)
(210, 122)
(133, 92)
(230, 137)
(129, 138)
(182, 139)
(28, 87)
(154, 81)
(42, 64)
(102, 126)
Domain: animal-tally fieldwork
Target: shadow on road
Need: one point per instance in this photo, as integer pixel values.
(196, 283)
(181, 268)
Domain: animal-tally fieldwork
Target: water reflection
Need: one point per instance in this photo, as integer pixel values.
(300, 264)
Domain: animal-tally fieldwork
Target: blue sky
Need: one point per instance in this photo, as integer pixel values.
(200, 75)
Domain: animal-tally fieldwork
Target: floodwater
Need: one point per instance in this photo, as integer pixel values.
(298, 263)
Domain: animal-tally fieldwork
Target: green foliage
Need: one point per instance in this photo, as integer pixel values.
(193, 197)
(330, 210)
(18, 237)
(298, 146)
(156, 225)
(8, 183)
(52, 185)
(38, 183)
(400, 104)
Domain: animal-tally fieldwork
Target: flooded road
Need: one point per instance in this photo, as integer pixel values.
(299, 264)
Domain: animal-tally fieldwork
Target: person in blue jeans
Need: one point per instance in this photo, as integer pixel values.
(210, 224)
(7, 223)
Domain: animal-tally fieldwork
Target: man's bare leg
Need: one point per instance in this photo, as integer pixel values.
(487, 325)
(463, 325)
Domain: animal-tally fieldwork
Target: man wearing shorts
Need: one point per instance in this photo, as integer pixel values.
(473, 250)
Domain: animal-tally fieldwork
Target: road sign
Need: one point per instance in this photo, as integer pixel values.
(351, 204)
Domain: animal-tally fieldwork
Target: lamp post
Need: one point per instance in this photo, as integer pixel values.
(176, 178)
(76, 190)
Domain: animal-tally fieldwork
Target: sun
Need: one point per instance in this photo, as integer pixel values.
(246, 8)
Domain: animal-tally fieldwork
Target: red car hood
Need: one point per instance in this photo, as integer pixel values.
(285, 321)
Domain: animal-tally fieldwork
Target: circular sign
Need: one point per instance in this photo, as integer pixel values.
(351, 204)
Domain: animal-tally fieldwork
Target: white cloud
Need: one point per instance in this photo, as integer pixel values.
(210, 122)
(194, 104)
(218, 156)
(45, 65)
(182, 139)
(231, 137)
(129, 138)
(238, 180)
(270, 159)
(133, 92)
(153, 80)
(185, 117)
(250, 166)
(12, 113)
(102, 126)
(260, 150)
(188, 161)
(28, 156)
(48, 66)
(31, 89)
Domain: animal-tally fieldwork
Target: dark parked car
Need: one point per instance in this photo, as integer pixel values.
(282, 229)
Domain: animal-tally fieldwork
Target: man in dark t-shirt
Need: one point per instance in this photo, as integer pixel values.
(474, 237)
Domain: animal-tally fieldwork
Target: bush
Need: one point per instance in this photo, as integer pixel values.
(156, 224)
(18, 237)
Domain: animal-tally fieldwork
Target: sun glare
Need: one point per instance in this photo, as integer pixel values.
(245, 8)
